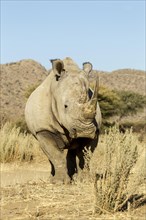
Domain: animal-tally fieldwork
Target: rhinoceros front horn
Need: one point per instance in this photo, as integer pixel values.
(90, 106)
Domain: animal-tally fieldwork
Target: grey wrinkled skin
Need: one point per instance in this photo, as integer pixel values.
(63, 113)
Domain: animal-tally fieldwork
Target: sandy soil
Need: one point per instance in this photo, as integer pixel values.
(12, 174)
(26, 193)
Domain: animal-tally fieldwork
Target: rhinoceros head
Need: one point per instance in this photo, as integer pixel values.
(73, 101)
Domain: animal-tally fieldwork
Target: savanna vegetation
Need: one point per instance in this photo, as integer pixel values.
(115, 186)
(116, 177)
(117, 169)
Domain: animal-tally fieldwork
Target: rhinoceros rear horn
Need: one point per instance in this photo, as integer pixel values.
(57, 66)
(87, 67)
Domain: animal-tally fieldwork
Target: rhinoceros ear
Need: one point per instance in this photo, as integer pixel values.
(87, 67)
(58, 67)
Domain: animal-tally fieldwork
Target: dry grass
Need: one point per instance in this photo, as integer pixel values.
(118, 164)
(15, 145)
(41, 200)
(119, 173)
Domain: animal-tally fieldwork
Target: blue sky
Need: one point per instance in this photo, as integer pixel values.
(109, 34)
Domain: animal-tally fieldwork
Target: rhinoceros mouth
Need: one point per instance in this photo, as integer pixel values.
(83, 134)
(83, 131)
(80, 130)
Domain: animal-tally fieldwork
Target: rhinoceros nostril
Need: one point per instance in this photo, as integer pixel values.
(74, 130)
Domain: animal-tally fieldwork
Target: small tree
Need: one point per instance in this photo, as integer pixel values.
(110, 102)
(131, 102)
(118, 103)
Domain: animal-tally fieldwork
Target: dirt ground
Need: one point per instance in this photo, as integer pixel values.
(27, 194)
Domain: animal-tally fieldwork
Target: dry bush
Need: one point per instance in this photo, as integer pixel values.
(118, 177)
(15, 145)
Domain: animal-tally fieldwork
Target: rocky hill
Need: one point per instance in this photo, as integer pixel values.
(17, 78)
(125, 79)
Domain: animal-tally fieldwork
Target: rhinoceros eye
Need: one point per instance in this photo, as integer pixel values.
(65, 106)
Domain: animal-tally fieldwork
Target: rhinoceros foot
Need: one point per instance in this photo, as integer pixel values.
(60, 179)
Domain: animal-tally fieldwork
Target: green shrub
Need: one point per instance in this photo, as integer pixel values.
(121, 104)
(131, 102)
(110, 103)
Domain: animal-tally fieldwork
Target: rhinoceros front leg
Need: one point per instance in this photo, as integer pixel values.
(71, 162)
(55, 155)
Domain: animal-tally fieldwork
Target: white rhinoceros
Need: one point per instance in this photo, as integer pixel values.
(63, 113)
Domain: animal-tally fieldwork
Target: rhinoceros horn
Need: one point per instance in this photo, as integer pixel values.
(90, 106)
